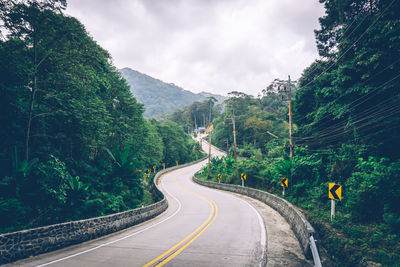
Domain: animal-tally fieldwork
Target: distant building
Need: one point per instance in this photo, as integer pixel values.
(200, 130)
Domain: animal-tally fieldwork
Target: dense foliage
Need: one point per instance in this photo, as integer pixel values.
(74, 140)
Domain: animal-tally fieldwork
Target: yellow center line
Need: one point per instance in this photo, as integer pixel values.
(204, 225)
(176, 253)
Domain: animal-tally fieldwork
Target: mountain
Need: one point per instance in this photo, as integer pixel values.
(220, 98)
(158, 97)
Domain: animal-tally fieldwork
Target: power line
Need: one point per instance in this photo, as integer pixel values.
(358, 117)
(348, 49)
(338, 126)
(353, 140)
(343, 35)
(371, 116)
(370, 78)
(361, 98)
(372, 123)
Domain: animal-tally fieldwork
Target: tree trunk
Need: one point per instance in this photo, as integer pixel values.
(32, 101)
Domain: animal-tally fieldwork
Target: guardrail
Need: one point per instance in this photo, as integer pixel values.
(315, 253)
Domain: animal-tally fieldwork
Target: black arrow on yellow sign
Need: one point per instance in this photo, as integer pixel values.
(335, 191)
(284, 182)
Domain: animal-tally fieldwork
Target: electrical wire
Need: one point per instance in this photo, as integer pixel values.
(362, 98)
(348, 49)
(372, 124)
(354, 140)
(342, 36)
(334, 63)
(364, 82)
(358, 117)
(373, 116)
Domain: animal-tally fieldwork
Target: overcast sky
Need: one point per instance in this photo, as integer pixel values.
(217, 46)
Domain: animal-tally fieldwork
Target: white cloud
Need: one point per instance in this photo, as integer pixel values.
(217, 46)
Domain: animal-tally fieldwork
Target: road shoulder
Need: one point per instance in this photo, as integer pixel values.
(283, 246)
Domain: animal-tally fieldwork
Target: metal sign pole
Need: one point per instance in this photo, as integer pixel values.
(332, 209)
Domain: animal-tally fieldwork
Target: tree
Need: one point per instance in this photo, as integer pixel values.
(27, 22)
(352, 97)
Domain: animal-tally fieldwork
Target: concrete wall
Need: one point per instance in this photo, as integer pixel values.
(25, 243)
(299, 224)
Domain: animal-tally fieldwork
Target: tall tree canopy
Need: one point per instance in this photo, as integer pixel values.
(74, 140)
(351, 95)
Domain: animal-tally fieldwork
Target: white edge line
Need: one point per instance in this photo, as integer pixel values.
(117, 240)
(263, 238)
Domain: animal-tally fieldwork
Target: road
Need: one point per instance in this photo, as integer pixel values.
(201, 227)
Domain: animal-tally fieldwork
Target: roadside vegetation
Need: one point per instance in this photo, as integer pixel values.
(346, 130)
(74, 143)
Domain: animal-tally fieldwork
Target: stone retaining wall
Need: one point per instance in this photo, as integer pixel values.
(30, 242)
(298, 222)
(35, 241)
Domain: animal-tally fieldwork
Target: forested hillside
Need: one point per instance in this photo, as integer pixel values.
(346, 114)
(73, 138)
(160, 98)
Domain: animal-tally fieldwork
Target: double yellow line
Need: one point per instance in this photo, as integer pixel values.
(175, 250)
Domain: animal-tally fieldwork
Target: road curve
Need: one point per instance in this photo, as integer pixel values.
(201, 227)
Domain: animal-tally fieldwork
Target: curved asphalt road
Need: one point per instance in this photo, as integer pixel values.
(201, 227)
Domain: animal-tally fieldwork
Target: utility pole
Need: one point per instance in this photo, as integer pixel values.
(234, 137)
(209, 154)
(209, 117)
(286, 87)
(290, 118)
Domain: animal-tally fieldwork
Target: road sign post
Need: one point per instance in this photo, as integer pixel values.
(177, 163)
(154, 167)
(144, 178)
(284, 184)
(219, 178)
(243, 177)
(163, 166)
(334, 193)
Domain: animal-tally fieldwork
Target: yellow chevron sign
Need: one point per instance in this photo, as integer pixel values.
(284, 181)
(335, 191)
